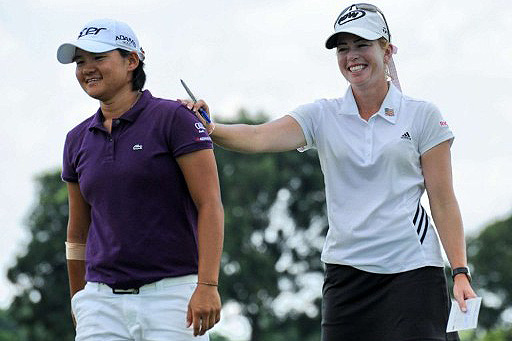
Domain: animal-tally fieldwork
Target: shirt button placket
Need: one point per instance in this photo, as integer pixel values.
(369, 140)
(110, 148)
(367, 144)
(115, 124)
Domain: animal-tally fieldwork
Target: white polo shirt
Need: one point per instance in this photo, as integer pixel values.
(374, 181)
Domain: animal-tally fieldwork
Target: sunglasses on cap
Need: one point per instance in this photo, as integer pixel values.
(365, 7)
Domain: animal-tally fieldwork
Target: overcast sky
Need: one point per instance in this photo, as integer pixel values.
(263, 56)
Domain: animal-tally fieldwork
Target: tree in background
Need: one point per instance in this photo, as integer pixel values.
(275, 222)
(42, 310)
(8, 330)
(498, 335)
(490, 254)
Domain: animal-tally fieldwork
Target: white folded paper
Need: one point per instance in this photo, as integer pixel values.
(459, 320)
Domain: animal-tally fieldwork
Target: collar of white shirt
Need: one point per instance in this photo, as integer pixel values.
(389, 109)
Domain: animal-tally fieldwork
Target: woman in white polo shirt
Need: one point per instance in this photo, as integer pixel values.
(379, 150)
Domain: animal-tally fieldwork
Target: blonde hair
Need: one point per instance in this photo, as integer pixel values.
(384, 44)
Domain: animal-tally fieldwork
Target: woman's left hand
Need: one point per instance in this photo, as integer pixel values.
(195, 106)
(203, 309)
(462, 290)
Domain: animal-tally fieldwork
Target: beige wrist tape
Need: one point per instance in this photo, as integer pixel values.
(75, 251)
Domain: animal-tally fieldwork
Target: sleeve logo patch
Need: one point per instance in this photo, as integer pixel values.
(203, 138)
(200, 127)
(443, 124)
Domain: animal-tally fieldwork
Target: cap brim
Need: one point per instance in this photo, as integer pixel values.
(332, 41)
(66, 52)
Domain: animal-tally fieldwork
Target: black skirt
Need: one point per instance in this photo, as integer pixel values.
(363, 306)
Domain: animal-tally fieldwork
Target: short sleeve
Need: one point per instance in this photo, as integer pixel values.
(304, 115)
(434, 129)
(187, 133)
(69, 173)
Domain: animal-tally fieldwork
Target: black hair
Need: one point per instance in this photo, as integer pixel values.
(139, 76)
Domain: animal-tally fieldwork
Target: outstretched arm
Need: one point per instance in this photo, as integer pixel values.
(282, 134)
(437, 170)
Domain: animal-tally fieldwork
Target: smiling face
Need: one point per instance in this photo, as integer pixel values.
(103, 75)
(362, 62)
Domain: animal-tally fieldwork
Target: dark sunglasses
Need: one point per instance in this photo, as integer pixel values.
(365, 7)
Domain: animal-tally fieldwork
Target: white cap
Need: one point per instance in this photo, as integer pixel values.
(100, 36)
(366, 24)
(365, 21)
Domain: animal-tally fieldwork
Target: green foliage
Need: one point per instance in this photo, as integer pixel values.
(498, 335)
(8, 330)
(42, 309)
(490, 254)
(250, 185)
(217, 337)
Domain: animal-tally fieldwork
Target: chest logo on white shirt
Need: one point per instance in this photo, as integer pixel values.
(137, 147)
(406, 136)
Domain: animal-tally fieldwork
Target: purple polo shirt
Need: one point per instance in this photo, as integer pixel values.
(143, 220)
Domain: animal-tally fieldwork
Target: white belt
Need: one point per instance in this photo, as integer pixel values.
(163, 283)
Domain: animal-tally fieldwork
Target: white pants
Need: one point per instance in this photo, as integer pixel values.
(157, 313)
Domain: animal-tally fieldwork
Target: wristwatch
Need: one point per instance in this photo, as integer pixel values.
(462, 270)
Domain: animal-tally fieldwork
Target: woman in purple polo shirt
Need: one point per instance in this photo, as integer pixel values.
(379, 151)
(145, 227)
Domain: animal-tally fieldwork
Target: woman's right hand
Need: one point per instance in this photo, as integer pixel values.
(195, 106)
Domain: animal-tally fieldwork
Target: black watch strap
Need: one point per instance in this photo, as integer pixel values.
(461, 270)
